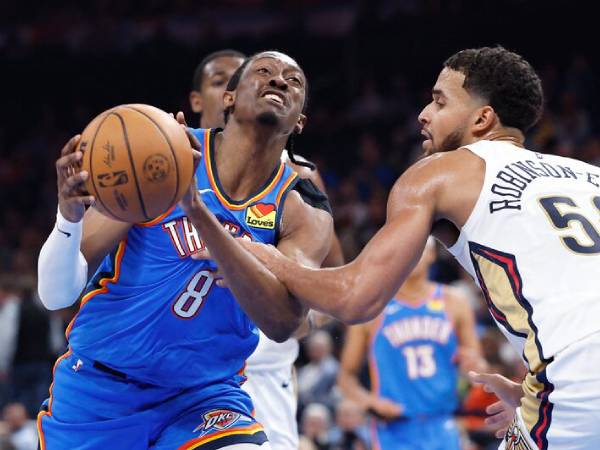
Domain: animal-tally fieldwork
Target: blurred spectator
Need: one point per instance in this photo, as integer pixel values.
(317, 378)
(315, 424)
(9, 316)
(32, 364)
(350, 431)
(23, 430)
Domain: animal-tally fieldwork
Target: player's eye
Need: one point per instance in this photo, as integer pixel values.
(295, 80)
(263, 70)
(218, 82)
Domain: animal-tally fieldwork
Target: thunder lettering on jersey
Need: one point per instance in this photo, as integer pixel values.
(411, 357)
(154, 313)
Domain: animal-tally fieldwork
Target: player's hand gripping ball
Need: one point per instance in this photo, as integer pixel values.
(139, 161)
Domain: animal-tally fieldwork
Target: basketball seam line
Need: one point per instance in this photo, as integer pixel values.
(106, 208)
(134, 173)
(170, 148)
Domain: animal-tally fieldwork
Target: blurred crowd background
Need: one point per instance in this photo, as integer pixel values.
(370, 65)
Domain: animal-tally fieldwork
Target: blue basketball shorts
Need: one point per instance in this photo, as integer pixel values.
(94, 407)
(431, 433)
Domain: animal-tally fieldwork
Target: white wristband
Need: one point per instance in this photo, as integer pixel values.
(62, 268)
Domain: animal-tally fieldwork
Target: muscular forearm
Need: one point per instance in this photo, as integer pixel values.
(260, 294)
(341, 292)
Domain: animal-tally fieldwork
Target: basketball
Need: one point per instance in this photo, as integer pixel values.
(139, 160)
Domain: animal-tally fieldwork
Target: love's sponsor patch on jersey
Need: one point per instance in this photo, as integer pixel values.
(261, 215)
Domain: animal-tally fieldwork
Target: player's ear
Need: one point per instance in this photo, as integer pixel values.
(196, 102)
(485, 119)
(228, 99)
(300, 124)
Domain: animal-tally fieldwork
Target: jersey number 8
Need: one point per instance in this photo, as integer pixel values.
(188, 303)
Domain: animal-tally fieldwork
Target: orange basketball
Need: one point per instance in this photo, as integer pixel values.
(139, 160)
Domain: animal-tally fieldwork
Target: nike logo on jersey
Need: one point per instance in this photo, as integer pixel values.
(64, 232)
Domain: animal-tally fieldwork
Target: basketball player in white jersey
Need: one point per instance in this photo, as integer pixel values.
(525, 225)
(271, 381)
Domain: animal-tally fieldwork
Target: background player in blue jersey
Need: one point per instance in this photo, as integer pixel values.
(414, 347)
(157, 350)
(270, 367)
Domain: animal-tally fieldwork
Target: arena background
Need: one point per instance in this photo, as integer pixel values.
(370, 64)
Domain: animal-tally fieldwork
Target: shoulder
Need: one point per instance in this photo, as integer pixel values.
(301, 208)
(441, 182)
(305, 173)
(440, 166)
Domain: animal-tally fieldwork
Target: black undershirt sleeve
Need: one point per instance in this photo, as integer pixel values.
(312, 195)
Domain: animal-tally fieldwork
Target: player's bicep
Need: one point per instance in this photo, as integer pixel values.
(100, 235)
(396, 248)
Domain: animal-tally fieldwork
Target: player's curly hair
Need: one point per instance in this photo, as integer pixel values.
(232, 86)
(503, 79)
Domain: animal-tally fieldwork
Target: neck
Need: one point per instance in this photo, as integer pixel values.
(415, 288)
(508, 134)
(246, 156)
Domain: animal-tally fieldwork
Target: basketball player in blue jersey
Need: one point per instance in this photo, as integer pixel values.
(157, 350)
(270, 369)
(415, 347)
(209, 81)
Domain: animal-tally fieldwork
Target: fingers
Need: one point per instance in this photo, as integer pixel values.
(180, 117)
(201, 254)
(73, 182)
(476, 377)
(495, 408)
(501, 433)
(502, 419)
(197, 158)
(70, 145)
(64, 163)
(194, 142)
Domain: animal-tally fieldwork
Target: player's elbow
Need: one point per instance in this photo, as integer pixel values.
(283, 327)
(355, 309)
(51, 301)
(279, 332)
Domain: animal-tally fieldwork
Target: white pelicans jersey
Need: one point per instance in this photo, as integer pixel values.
(532, 243)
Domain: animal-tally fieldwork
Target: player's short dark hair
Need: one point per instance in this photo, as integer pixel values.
(199, 71)
(503, 79)
(232, 85)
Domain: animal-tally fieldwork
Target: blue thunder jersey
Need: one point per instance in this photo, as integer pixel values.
(156, 314)
(411, 358)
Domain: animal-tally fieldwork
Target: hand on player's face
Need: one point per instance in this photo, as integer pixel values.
(72, 197)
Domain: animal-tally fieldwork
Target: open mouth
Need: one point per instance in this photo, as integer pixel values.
(274, 97)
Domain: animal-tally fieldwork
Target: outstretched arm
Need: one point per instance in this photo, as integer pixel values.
(358, 291)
